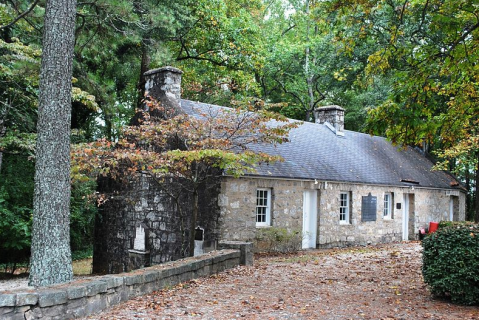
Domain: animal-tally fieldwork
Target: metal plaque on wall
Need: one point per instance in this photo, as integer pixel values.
(369, 208)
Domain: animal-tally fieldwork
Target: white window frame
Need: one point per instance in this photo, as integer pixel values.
(344, 208)
(263, 209)
(388, 208)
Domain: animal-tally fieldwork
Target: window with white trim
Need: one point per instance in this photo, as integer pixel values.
(263, 207)
(344, 207)
(388, 205)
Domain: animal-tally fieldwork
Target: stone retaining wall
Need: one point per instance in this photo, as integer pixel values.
(83, 297)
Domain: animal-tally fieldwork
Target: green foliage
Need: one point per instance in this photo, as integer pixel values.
(19, 76)
(276, 239)
(14, 226)
(82, 254)
(18, 142)
(82, 215)
(451, 263)
(458, 224)
(16, 190)
(219, 49)
(16, 196)
(19, 69)
(427, 51)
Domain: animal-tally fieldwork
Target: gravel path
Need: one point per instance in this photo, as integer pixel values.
(381, 282)
(16, 283)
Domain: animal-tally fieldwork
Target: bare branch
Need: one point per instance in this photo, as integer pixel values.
(20, 16)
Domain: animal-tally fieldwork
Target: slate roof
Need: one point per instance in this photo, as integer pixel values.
(316, 152)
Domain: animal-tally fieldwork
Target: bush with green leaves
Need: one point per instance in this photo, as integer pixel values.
(82, 216)
(446, 223)
(16, 208)
(16, 189)
(451, 263)
(275, 239)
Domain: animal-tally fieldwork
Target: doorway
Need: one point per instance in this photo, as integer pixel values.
(408, 217)
(310, 218)
(454, 208)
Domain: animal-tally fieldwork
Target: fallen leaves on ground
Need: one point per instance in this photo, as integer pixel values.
(376, 282)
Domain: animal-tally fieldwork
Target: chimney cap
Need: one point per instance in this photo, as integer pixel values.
(330, 107)
(163, 69)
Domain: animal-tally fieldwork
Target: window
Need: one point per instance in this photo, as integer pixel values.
(263, 207)
(344, 207)
(388, 206)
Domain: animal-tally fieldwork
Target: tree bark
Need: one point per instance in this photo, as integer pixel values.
(144, 67)
(469, 206)
(476, 194)
(307, 69)
(2, 134)
(51, 257)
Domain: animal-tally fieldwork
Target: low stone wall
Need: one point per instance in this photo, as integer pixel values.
(87, 296)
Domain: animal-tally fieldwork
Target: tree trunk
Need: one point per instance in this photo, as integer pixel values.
(144, 67)
(307, 69)
(51, 257)
(6, 35)
(469, 206)
(476, 195)
(108, 125)
(2, 134)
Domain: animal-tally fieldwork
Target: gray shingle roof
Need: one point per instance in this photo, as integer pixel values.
(315, 152)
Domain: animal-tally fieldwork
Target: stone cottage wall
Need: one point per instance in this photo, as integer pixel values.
(238, 203)
(426, 205)
(140, 224)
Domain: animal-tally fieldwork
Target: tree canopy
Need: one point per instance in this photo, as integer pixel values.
(429, 51)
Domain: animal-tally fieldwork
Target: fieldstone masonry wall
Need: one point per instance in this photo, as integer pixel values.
(141, 208)
(238, 204)
(84, 297)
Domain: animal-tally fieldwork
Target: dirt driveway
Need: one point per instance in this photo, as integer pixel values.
(381, 282)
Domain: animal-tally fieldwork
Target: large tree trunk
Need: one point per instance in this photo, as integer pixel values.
(476, 194)
(51, 257)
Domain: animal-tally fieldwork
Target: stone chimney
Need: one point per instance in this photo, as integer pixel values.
(164, 85)
(332, 115)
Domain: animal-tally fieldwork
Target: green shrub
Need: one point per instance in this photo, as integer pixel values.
(275, 239)
(82, 254)
(16, 202)
(16, 208)
(445, 224)
(82, 216)
(451, 263)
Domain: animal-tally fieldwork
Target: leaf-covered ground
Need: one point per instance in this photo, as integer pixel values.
(381, 282)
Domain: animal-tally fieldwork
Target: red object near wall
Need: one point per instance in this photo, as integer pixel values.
(433, 226)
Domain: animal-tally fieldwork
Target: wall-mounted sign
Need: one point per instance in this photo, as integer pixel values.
(369, 208)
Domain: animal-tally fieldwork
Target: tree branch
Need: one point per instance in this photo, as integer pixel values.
(20, 16)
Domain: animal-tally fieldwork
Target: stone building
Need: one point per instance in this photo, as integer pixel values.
(338, 187)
